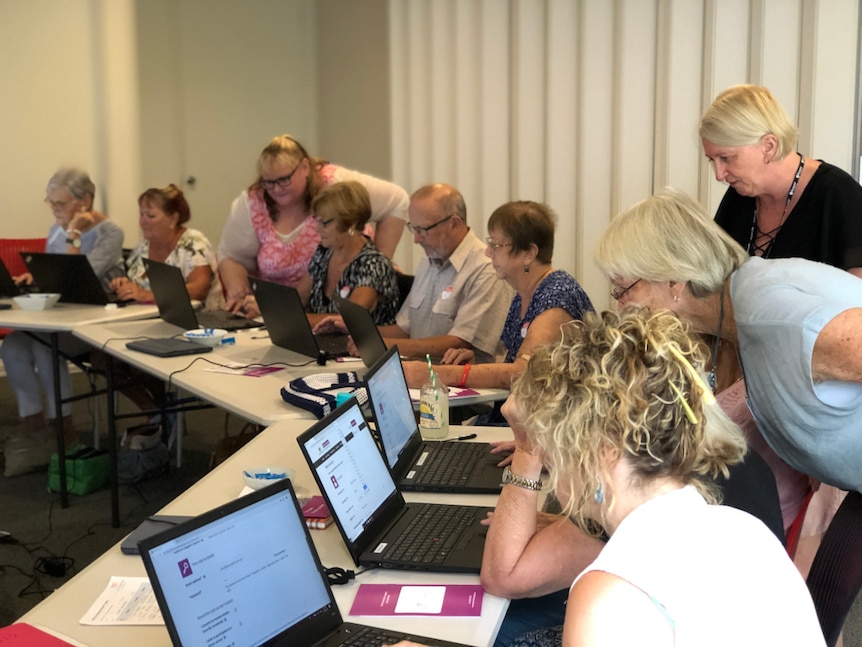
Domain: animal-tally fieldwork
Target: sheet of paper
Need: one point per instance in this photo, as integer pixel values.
(125, 601)
(424, 600)
(454, 392)
(236, 368)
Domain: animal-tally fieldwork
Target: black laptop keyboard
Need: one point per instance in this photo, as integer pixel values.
(374, 637)
(453, 463)
(225, 320)
(334, 344)
(432, 534)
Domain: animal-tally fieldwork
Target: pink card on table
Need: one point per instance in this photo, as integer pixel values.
(418, 600)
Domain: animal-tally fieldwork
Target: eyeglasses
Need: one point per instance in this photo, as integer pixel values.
(618, 294)
(323, 223)
(421, 231)
(281, 182)
(57, 204)
(495, 246)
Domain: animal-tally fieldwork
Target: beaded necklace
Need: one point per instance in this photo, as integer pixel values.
(756, 233)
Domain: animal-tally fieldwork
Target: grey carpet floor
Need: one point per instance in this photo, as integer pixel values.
(43, 529)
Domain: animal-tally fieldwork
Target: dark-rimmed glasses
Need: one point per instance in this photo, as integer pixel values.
(281, 182)
(421, 231)
(323, 223)
(618, 294)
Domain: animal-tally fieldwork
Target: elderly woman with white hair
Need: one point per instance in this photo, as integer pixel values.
(797, 325)
(77, 229)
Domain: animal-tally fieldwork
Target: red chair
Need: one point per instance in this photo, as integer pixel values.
(9, 254)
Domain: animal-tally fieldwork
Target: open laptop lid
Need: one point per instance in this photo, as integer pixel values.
(352, 476)
(245, 573)
(8, 287)
(70, 275)
(171, 295)
(400, 438)
(282, 312)
(360, 324)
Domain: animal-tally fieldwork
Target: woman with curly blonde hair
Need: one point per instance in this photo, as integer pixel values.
(632, 438)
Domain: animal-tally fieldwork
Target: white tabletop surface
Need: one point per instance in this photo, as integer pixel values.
(275, 446)
(256, 399)
(65, 317)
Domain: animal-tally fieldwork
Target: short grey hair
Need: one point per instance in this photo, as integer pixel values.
(669, 237)
(77, 181)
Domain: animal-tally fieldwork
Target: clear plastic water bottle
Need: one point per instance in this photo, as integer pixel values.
(434, 409)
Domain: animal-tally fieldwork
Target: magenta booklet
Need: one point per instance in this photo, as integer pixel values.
(423, 600)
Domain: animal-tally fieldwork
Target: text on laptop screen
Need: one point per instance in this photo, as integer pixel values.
(351, 470)
(393, 409)
(235, 581)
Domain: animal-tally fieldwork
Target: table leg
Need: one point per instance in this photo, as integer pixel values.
(112, 441)
(58, 418)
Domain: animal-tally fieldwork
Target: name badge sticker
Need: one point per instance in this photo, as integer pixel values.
(524, 329)
(345, 291)
(447, 292)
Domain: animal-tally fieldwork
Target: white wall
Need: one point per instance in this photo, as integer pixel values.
(590, 105)
(65, 102)
(585, 104)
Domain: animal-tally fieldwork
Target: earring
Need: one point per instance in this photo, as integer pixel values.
(526, 269)
(765, 159)
(675, 298)
(600, 494)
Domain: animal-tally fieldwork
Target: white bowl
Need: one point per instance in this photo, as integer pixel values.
(37, 301)
(258, 477)
(205, 336)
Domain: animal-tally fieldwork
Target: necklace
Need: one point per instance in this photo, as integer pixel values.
(711, 379)
(766, 247)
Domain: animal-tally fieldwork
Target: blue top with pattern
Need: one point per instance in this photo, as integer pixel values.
(557, 290)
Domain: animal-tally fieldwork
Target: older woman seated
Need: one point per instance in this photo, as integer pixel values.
(77, 228)
(632, 438)
(520, 246)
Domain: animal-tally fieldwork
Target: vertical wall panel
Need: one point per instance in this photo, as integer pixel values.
(529, 65)
(562, 111)
(589, 105)
(495, 120)
(833, 107)
(596, 57)
(681, 94)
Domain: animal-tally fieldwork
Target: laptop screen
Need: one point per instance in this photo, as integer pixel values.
(234, 579)
(396, 422)
(350, 469)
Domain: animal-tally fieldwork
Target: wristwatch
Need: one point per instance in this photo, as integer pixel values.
(74, 242)
(513, 479)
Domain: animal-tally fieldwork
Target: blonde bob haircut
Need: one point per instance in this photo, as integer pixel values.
(347, 203)
(613, 389)
(743, 114)
(669, 237)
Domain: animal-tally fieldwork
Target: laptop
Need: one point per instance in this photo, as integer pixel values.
(282, 312)
(8, 287)
(175, 305)
(70, 275)
(167, 347)
(416, 465)
(360, 324)
(370, 512)
(247, 574)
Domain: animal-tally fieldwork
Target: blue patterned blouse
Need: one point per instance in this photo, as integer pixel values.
(558, 290)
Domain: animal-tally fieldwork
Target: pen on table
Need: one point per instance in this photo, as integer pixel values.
(467, 437)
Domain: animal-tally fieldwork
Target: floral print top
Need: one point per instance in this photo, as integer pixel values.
(192, 250)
